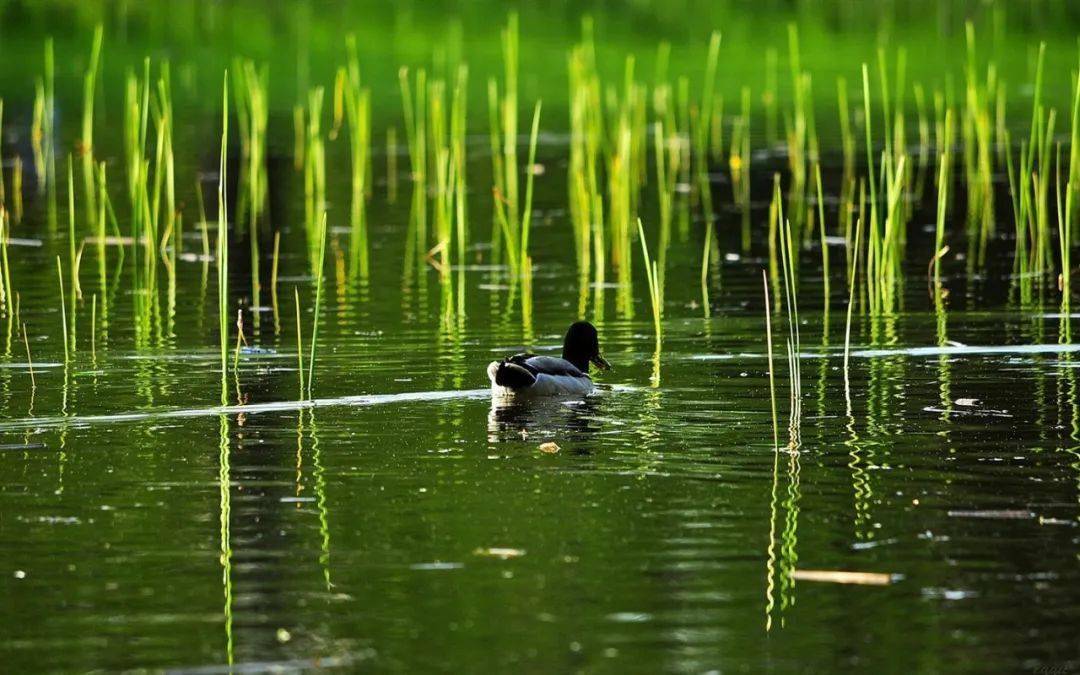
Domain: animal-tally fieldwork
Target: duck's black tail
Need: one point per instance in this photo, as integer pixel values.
(513, 376)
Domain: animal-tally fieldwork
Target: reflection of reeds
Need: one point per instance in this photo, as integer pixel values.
(225, 531)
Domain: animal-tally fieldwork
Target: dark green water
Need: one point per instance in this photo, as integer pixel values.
(402, 522)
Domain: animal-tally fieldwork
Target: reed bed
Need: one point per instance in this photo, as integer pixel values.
(641, 149)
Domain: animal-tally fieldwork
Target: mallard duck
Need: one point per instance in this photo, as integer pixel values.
(529, 375)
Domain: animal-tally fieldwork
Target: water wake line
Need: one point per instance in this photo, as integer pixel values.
(255, 408)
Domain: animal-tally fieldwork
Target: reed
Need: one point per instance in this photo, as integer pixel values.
(526, 211)
(769, 352)
(87, 139)
(977, 128)
(251, 85)
(16, 189)
(8, 291)
(824, 243)
(503, 126)
(414, 108)
(3, 195)
(72, 255)
(37, 135)
(222, 257)
(852, 281)
(314, 169)
(701, 164)
(1064, 226)
(739, 164)
(788, 267)
(299, 342)
(319, 274)
(63, 310)
(358, 113)
(29, 358)
(944, 180)
(274, 266)
(391, 165)
(656, 290)
(584, 180)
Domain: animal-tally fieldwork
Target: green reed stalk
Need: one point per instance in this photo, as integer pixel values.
(414, 109)
(1064, 222)
(299, 341)
(459, 154)
(788, 266)
(943, 182)
(5, 235)
(252, 106)
(391, 164)
(274, 266)
(299, 137)
(72, 255)
(652, 274)
(509, 118)
(852, 280)
(87, 150)
(358, 109)
(874, 234)
(223, 243)
(63, 309)
(48, 130)
(16, 189)
(526, 213)
(93, 327)
(824, 243)
(29, 359)
(319, 274)
(3, 196)
(701, 162)
(769, 346)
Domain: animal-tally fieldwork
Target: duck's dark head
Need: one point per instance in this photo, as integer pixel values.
(582, 346)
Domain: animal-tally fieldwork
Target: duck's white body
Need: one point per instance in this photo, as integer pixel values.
(549, 377)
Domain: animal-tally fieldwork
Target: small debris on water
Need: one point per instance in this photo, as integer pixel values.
(437, 566)
(283, 635)
(19, 574)
(501, 553)
(549, 447)
(994, 514)
(840, 577)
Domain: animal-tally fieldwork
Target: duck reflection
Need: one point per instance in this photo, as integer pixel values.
(567, 420)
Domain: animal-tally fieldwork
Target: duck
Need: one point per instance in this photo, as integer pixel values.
(532, 376)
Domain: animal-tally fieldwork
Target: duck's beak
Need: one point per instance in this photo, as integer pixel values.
(600, 362)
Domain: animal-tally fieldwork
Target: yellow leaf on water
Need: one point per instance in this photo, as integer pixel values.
(839, 577)
(503, 553)
(549, 447)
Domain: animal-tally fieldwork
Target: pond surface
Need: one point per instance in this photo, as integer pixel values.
(402, 521)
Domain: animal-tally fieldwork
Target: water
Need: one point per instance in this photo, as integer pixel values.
(401, 521)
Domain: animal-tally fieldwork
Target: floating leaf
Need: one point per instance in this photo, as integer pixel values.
(502, 553)
(839, 577)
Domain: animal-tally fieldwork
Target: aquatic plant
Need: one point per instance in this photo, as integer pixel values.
(319, 274)
(222, 256)
(358, 113)
(656, 290)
